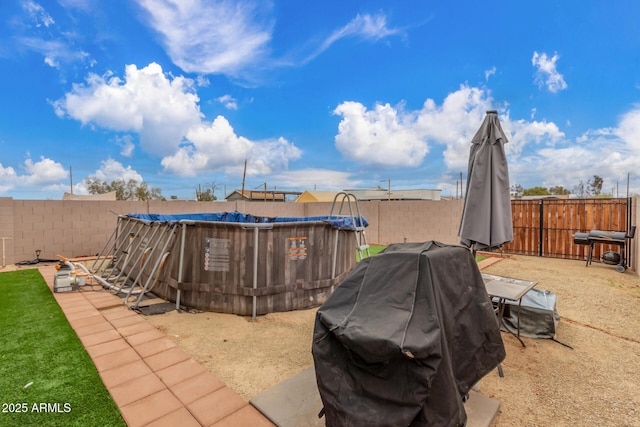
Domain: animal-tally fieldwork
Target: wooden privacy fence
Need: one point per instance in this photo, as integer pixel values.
(545, 227)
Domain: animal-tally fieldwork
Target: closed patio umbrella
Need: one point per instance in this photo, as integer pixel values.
(486, 216)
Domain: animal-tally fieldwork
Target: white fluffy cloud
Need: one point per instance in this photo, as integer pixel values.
(382, 136)
(547, 74)
(212, 37)
(216, 147)
(609, 152)
(40, 175)
(454, 123)
(393, 137)
(8, 178)
(111, 170)
(522, 132)
(161, 110)
(629, 129)
(164, 111)
(42, 172)
(228, 101)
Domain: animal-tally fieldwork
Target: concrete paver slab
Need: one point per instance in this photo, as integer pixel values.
(296, 403)
(79, 306)
(136, 389)
(143, 337)
(196, 387)
(293, 403)
(93, 328)
(89, 312)
(182, 418)
(181, 371)
(124, 373)
(481, 410)
(107, 347)
(150, 408)
(114, 360)
(150, 348)
(245, 416)
(118, 313)
(126, 321)
(135, 328)
(216, 406)
(76, 323)
(166, 358)
(100, 337)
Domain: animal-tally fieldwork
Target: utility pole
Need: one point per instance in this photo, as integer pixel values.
(71, 178)
(627, 185)
(244, 175)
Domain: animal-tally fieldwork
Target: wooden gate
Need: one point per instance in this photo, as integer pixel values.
(545, 227)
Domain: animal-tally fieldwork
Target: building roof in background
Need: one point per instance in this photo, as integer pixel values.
(316, 196)
(258, 195)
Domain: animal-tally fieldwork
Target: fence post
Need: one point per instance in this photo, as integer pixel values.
(541, 231)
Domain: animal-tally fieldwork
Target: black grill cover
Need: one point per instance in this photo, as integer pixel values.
(404, 337)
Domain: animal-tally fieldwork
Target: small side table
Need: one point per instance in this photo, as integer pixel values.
(506, 288)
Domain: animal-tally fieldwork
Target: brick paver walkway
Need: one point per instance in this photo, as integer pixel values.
(152, 380)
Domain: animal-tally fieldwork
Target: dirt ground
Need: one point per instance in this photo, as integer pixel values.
(595, 382)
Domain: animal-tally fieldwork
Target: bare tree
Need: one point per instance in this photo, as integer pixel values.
(578, 189)
(207, 195)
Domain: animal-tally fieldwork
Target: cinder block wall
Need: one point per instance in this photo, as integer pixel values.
(417, 221)
(79, 228)
(6, 231)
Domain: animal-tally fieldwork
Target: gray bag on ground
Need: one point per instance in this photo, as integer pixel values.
(538, 315)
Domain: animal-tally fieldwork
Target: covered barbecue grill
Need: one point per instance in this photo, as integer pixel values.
(404, 337)
(618, 238)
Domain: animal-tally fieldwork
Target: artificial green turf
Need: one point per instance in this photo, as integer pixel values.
(374, 249)
(38, 346)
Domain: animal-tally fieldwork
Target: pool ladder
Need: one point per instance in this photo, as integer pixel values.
(357, 225)
(134, 249)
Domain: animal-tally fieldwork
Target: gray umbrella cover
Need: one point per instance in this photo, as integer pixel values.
(486, 217)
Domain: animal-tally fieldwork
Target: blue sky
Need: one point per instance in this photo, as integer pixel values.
(326, 95)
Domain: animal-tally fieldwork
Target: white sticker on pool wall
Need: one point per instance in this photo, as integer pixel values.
(297, 248)
(216, 254)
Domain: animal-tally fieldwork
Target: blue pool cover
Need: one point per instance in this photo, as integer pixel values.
(341, 222)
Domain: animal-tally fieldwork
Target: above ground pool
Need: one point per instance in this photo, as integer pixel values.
(237, 263)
